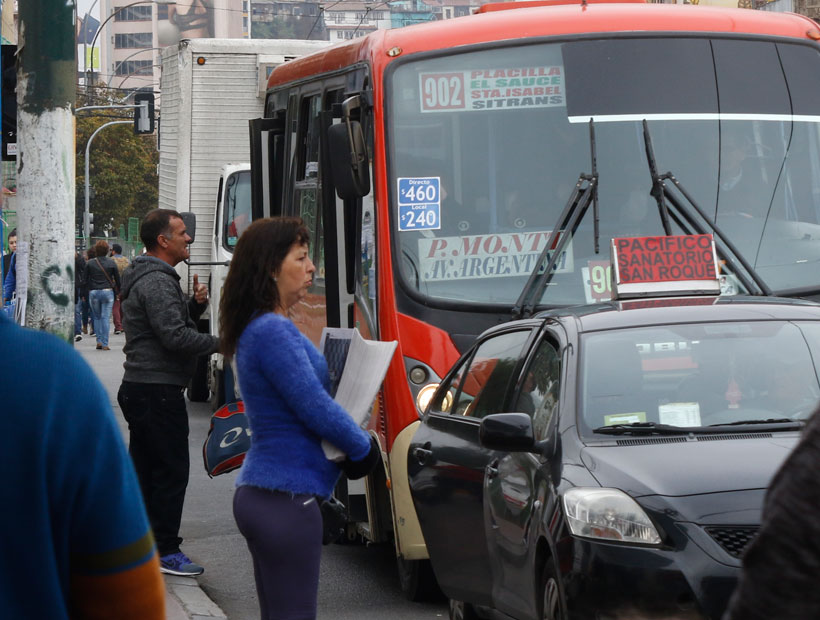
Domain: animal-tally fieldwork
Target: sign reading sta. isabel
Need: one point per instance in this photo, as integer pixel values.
(653, 266)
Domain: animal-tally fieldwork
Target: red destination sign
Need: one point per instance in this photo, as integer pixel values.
(647, 265)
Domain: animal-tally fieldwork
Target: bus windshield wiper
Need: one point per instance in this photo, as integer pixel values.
(642, 428)
(584, 194)
(684, 218)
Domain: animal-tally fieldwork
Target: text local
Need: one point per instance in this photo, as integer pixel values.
(665, 258)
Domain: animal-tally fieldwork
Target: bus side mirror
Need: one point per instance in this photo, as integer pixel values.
(349, 166)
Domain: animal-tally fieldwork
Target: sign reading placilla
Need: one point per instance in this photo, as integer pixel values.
(492, 89)
(673, 265)
(487, 256)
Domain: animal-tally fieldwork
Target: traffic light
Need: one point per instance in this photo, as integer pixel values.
(90, 224)
(144, 113)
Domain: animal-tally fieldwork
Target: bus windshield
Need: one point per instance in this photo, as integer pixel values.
(486, 146)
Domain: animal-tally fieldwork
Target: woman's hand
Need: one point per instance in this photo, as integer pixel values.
(359, 469)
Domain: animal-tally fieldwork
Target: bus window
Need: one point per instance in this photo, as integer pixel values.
(307, 189)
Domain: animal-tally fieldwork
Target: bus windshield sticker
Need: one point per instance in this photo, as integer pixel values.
(492, 89)
(487, 256)
(419, 203)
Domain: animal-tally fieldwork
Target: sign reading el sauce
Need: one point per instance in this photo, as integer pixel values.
(492, 89)
(487, 256)
(665, 264)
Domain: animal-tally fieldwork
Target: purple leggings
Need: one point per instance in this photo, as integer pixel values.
(284, 535)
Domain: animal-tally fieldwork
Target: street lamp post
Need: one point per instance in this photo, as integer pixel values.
(86, 226)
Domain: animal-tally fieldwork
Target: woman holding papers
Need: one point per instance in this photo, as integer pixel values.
(284, 382)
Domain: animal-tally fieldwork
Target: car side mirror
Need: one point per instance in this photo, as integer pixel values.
(509, 432)
(190, 223)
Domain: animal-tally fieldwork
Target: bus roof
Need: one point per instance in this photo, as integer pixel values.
(541, 21)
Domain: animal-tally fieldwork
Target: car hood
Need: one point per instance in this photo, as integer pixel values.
(697, 465)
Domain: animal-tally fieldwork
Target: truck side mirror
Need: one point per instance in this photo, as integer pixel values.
(190, 223)
(349, 166)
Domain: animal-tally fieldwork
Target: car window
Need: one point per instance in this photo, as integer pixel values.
(541, 387)
(699, 374)
(479, 386)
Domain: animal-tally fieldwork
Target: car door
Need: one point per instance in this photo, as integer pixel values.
(517, 486)
(446, 465)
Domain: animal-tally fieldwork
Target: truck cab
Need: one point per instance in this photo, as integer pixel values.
(231, 217)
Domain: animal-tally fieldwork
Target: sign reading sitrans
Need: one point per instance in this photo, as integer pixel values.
(487, 256)
(492, 89)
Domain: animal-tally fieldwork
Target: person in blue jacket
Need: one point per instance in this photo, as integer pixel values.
(284, 382)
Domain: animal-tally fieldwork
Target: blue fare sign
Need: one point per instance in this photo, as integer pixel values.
(419, 203)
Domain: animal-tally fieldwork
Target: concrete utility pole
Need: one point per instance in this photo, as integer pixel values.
(46, 77)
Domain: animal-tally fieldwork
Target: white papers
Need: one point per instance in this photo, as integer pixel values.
(364, 368)
(680, 414)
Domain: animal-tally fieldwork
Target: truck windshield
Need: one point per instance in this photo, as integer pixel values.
(486, 147)
(699, 375)
(237, 211)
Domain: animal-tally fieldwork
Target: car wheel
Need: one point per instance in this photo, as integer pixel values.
(417, 581)
(551, 607)
(459, 610)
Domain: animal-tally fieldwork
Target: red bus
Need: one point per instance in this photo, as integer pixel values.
(464, 172)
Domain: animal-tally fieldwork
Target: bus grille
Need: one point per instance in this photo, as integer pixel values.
(733, 539)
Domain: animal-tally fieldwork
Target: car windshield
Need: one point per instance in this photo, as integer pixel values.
(698, 375)
(486, 147)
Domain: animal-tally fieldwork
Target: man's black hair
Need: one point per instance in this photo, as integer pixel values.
(156, 223)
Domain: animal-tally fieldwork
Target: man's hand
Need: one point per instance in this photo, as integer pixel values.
(200, 291)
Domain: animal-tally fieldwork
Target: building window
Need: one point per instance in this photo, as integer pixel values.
(162, 11)
(133, 40)
(134, 67)
(134, 14)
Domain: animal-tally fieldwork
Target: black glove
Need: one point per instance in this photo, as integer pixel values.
(359, 469)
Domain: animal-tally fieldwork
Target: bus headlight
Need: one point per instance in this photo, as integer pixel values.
(608, 514)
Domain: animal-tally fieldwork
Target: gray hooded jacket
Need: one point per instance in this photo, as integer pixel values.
(161, 338)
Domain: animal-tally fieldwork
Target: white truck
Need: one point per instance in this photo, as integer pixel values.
(209, 90)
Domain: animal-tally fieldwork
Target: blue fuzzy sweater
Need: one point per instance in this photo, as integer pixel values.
(284, 383)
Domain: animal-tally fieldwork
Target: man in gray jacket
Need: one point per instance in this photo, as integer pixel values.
(161, 347)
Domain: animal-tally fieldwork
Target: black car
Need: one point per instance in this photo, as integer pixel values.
(610, 461)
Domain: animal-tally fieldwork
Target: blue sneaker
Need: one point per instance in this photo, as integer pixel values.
(179, 564)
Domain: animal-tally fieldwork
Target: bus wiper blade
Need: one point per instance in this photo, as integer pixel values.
(798, 423)
(642, 428)
(662, 193)
(584, 193)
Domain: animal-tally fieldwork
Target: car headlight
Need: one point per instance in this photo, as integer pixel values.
(608, 514)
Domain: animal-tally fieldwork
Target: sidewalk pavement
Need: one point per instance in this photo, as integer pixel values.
(184, 599)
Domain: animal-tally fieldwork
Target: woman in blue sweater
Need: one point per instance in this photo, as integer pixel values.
(284, 382)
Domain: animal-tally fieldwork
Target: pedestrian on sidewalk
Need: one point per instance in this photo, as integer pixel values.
(781, 567)
(12, 250)
(285, 383)
(88, 318)
(103, 281)
(79, 293)
(161, 349)
(76, 539)
(10, 268)
(122, 263)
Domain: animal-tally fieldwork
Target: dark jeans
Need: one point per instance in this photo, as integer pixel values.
(284, 535)
(158, 425)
